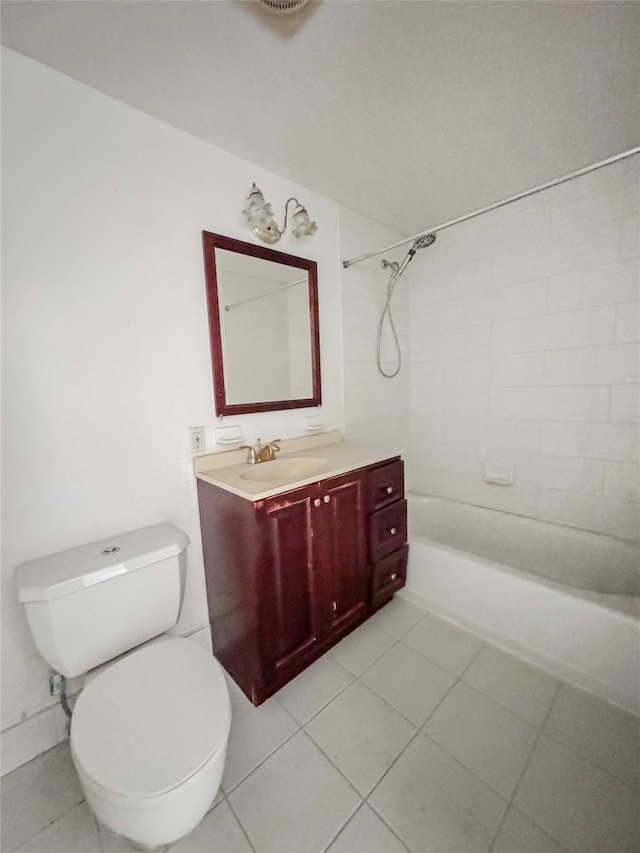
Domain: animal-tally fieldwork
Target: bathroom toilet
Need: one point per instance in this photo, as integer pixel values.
(149, 732)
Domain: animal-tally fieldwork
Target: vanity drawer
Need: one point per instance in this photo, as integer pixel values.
(387, 530)
(385, 485)
(388, 576)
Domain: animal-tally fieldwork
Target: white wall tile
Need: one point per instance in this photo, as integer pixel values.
(585, 476)
(522, 369)
(621, 481)
(519, 436)
(628, 321)
(477, 340)
(437, 345)
(625, 404)
(465, 311)
(586, 327)
(564, 403)
(519, 300)
(548, 288)
(592, 365)
(447, 457)
(602, 515)
(604, 284)
(630, 236)
(471, 488)
(615, 442)
(466, 372)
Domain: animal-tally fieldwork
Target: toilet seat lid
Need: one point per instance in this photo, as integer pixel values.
(149, 722)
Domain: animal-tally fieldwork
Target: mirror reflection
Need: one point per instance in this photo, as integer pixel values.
(263, 323)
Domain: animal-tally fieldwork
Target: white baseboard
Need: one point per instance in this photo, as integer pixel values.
(48, 727)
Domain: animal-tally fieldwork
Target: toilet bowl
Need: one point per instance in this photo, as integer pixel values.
(149, 738)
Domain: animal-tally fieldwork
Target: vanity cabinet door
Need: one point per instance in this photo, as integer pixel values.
(340, 527)
(291, 617)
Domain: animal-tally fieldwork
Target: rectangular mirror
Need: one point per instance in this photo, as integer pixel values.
(263, 326)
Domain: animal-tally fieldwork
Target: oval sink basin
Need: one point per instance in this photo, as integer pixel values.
(284, 469)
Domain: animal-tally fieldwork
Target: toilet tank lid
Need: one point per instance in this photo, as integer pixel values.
(77, 568)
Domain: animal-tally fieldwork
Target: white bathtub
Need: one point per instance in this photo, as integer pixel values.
(483, 568)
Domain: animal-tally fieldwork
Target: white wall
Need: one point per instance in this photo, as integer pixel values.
(106, 351)
(524, 331)
(376, 408)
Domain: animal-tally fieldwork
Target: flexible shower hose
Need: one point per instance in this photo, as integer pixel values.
(386, 312)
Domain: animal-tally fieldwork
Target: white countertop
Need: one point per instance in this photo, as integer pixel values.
(337, 457)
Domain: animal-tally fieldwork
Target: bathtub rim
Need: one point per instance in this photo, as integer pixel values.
(629, 604)
(578, 676)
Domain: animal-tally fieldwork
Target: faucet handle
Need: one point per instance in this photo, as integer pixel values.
(269, 450)
(252, 455)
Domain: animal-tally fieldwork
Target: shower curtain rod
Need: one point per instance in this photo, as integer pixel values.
(268, 293)
(495, 205)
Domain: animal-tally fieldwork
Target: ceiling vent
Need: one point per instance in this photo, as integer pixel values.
(283, 7)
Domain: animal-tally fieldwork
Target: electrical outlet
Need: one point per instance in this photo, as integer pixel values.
(197, 439)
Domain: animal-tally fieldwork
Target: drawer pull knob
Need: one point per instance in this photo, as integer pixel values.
(327, 498)
(389, 490)
(392, 531)
(317, 502)
(393, 576)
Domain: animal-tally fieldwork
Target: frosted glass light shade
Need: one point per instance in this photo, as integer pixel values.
(302, 225)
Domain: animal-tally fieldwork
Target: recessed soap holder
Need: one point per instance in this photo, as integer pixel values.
(228, 435)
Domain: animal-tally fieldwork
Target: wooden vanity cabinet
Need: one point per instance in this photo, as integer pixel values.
(290, 575)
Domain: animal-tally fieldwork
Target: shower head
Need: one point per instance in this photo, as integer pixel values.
(420, 243)
(424, 242)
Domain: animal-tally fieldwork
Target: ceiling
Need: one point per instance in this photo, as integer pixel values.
(408, 111)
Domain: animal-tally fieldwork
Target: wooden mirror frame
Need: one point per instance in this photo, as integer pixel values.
(211, 242)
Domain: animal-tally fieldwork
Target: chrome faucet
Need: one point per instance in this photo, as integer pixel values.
(261, 453)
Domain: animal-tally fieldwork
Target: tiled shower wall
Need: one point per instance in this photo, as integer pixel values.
(524, 350)
(376, 409)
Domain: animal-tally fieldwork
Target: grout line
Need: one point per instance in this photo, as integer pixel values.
(241, 825)
(526, 767)
(266, 758)
(634, 789)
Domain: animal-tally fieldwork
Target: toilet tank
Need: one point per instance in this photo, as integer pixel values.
(90, 604)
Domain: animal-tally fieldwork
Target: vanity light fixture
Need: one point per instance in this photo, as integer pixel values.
(259, 215)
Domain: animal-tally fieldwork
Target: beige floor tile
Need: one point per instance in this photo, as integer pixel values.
(397, 617)
(521, 688)
(313, 689)
(444, 644)
(491, 741)
(409, 682)
(596, 730)
(74, 832)
(295, 801)
(36, 794)
(366, 833)
(434, 804)
(217, 832)
(361, 734)
(519, 835)
(361, 648)
(255, 734)
(582, 807)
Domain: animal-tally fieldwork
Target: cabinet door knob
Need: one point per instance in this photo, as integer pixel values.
(317, 502)
(389, 490)
(392, 531)
(393, 576)
(327, 498)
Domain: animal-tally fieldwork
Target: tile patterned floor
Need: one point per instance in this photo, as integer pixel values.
(410, 735)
